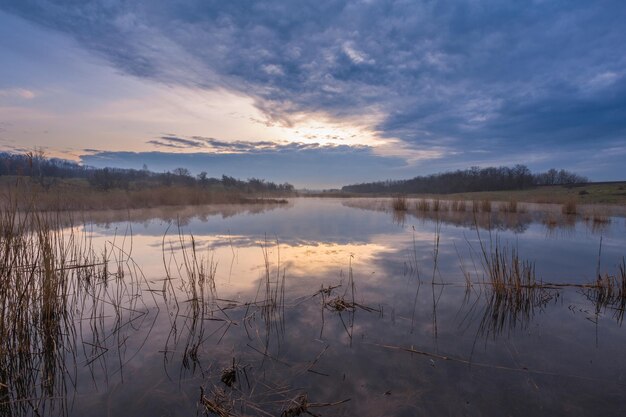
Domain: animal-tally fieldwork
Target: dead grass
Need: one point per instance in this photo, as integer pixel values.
(78, 195)
(439, 205)
(609, 292)
(458, 205)
(601, 218)
(507, 273)
(596, 193)
(217, 403)
(51, 281)
(550, 221)
(400, 203)
(569, 208)
(509, 206)
(423, 205)
(512, 287)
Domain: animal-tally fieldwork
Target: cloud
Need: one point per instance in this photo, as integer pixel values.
(521, 77)
(21, 93)
(176, 142)
(331, 166)
(240, 146)
(312, 166)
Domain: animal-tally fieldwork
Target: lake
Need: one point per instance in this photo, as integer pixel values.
(338, 307)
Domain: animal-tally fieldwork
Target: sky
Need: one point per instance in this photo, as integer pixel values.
(317, 93)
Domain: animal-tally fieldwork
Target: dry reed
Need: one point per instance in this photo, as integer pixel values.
(76, 196)
(509, 207)
(440, 205)
(609, 291)
(51, 282)
(423, 205)
(458, 205)
(569, 208)
(400, 203)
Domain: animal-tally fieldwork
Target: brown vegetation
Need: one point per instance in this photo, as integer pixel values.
(569, 208)
(78, 195)
(509, 207)
(399, 203)
(609, 291)
(50, 279)
(439, 205)
(423, 205)
(458, 205)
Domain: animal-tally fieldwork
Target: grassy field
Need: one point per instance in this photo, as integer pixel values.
(593, 193)
(613, 193)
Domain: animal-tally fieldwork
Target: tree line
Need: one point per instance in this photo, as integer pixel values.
(469, 180)
(47, 171)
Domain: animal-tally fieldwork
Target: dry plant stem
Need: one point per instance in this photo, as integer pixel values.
(400, 203)
(423, 205)
(52, 282)
(569, 208)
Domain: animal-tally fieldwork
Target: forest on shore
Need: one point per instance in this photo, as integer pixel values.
(33, 180)
(474, 179)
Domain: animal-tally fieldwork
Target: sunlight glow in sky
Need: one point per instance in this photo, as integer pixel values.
(317, 93)
(112, 109)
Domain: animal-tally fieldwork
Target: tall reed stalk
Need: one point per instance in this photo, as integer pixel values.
(51, 281)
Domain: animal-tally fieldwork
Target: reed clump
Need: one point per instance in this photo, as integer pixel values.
(34, 291)
(610, 288)
(423, 205)
(550, 221)
(507, 272)
(569, 208)
(195, 270)
(610, 291)
(509, 206)
(600, 218)
(400, 203)
(43, 272)
(218, 403)
(514, 291)
(439, 205)
(51, 282)
(485, 206)
(458, 205)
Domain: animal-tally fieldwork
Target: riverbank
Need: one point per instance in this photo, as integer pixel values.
(607, 193)
(77, 194)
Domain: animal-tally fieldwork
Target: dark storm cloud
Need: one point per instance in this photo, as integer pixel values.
(517, 76)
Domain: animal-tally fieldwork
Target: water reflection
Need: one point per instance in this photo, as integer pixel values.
(323, 307)
(471, 215)
(67, 313)
(180, 214)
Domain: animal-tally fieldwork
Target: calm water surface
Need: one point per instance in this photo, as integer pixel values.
(419, 341)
